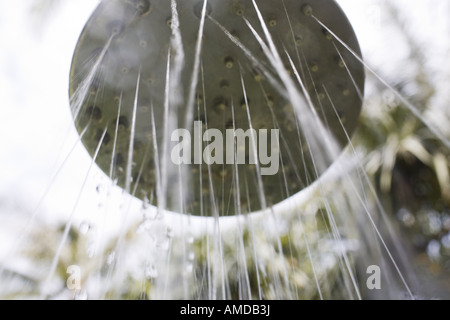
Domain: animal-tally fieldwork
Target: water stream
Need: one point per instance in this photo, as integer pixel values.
(155, 80)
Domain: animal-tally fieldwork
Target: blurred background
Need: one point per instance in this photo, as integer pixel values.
(43, 171)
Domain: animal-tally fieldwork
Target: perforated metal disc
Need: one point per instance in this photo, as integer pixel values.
(140, 36)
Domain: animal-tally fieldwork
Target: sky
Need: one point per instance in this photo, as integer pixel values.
(36, 132)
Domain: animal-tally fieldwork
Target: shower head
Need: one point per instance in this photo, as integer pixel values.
(140, 71)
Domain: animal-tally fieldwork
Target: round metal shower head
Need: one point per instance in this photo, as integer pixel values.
(133, 80)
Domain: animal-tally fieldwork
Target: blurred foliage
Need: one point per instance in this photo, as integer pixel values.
(258, 266)
(410, 166)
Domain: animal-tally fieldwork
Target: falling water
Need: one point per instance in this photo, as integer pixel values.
(205, 230)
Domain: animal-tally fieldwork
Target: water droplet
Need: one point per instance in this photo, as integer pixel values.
(116, 27)
(406, 217)
(224, 84)
(298, 40)
(389, 99)
(144, 227)
(307, 10)
(315, 68)
(142, 7)
(198, 8)
(189, 267)
(169, 233)
(90, 251)
(110, 258)
(327, 35)
(191, 256)
(163, 245)
(229, 62)
(100, 188)
(151, 272)
(240, 12)
(220, 105)
(223, 173)
(434, 222)
(434, 250)
(149, 212)
(81, 295)
(446, 222)
(145, 203)
(49, 287)
(84, 227)
(446, 241)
